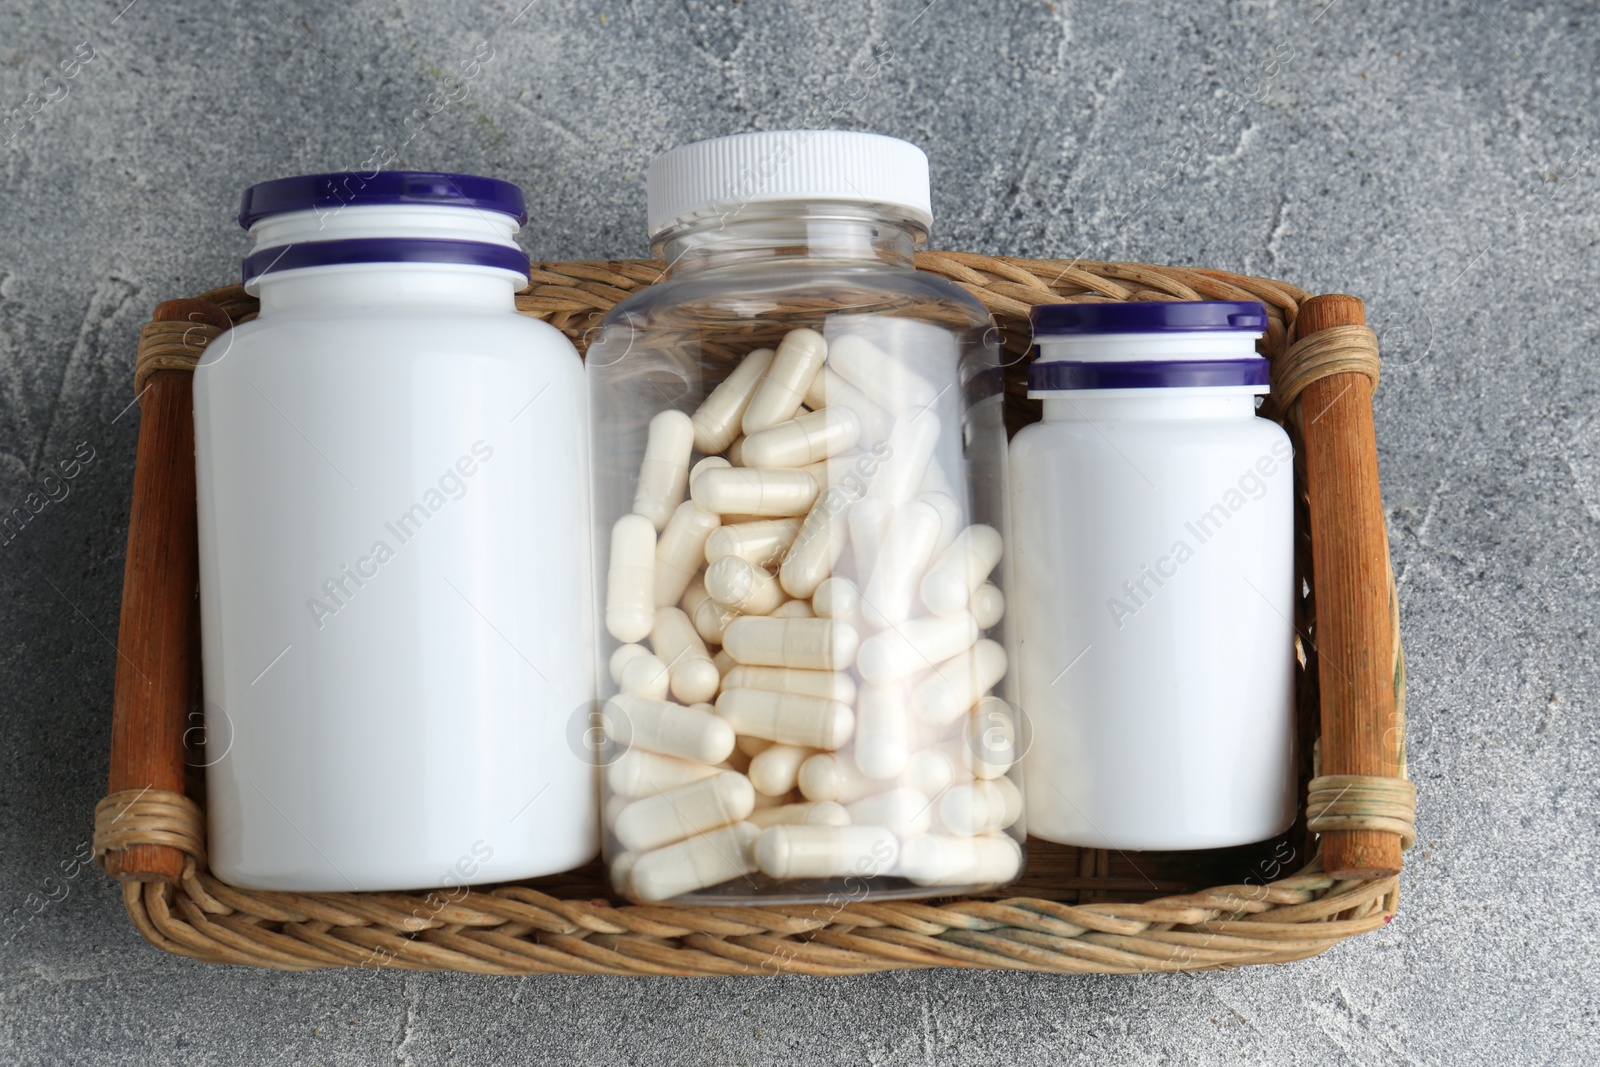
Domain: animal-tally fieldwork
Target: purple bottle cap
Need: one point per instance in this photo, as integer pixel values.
(1148, 316)
(307, 191)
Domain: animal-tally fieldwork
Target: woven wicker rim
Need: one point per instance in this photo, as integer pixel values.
(517, 929)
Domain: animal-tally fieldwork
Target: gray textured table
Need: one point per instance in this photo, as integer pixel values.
(1438, 160)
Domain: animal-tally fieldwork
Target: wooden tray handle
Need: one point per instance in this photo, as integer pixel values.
(158, 639)
(1355, 638)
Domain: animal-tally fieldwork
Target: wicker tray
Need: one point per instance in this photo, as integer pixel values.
(1076, 910)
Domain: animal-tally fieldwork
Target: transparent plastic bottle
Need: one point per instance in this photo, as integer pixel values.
(799, 484)
(394, 548)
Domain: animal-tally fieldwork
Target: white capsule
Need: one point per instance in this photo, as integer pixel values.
(751, 746)
(955, 686)
(710, 618)
(824, 470)
(924, 733)
(852, 472)
(716, 421)
(645, 676)
(902, 558)
(765, 802)
(930, 771)
(904, 811)
(622, 871)
(681, 549)
(693, 594)
(793, 609)
(983, 746)
(694, 677)
(674, 814)
(755, 491)
(966, 809)
(620, 658)
(936, 859)
(665, 470)
(825, 851)
(837, 598)
(668, 729)
(869, 525)
(829, 685)
(884, 379)
(830, 776)
(950, 517)
(914, 646)
(812, 644)
(807, 813)
(816, 547)
(948, 586)
(631, 579)
(700, 862)
(816, 393)
(637, 773)
(911, 444)
(788, 718)
(803, 440)
(709, 463)
(782, 389)
(953, 750)
(979, 807)
(991, 738)
(988, 605)
(882, 746)
(762, 542)
(742, 587)
(829, 390)
(775, 769)
(612, 808)
(1011, 797)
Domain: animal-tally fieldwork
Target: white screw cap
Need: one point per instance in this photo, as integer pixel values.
(726, 173)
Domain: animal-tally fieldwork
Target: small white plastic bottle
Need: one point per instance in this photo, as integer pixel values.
(1152, 528)
(394, 546)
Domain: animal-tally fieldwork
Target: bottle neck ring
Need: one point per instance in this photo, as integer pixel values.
(1061, 375)
(410, 286)
(1124, 406)
(385, 238)
(785, 231)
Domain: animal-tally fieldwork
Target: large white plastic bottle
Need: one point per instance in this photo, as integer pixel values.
(394, 549)
(1152, 527)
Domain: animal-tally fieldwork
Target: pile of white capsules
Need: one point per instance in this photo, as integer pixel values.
(785, 718)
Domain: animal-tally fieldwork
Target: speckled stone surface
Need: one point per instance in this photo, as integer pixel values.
(1437, 159)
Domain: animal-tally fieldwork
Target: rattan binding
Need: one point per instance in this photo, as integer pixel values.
(1076, 910)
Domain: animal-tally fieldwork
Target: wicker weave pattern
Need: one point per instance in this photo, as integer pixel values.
(574, 929)
(520, 930)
